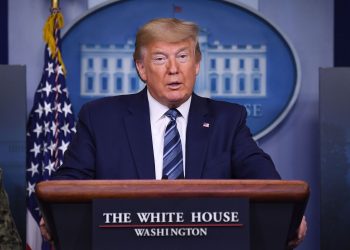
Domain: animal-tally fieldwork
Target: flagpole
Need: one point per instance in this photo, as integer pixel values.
(55, 5)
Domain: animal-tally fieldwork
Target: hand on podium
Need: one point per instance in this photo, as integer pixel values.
(300, 235)
(45, 232)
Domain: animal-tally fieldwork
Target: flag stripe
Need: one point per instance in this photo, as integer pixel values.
(34, 239)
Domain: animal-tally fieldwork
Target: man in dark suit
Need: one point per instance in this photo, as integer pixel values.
(123, 137)
(165, 131)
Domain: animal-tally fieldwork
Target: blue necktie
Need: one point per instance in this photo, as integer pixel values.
(172, 153)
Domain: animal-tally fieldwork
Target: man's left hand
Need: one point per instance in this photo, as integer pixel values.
(301, 233)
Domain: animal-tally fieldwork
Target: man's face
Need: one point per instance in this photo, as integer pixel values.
(169, 70)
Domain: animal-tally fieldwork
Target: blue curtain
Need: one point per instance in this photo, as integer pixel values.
(3, 32)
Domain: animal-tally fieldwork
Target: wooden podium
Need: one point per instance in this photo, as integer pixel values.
(276, 207)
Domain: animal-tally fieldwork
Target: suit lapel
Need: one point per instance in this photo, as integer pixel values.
(197, 136)
(138, 128)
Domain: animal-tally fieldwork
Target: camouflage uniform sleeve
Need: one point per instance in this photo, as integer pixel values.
(9, 237)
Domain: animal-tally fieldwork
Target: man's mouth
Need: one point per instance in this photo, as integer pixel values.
(174, 85)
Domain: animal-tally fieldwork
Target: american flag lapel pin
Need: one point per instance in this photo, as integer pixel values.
(206, 125)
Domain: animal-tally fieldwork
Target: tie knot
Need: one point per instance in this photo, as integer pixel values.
(172, 114)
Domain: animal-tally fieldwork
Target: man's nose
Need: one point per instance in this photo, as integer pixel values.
(173, 66)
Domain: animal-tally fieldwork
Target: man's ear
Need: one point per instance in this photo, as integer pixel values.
(141, 70)
(197, 67)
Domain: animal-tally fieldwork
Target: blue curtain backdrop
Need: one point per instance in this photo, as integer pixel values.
(341, 33)
(3, 32)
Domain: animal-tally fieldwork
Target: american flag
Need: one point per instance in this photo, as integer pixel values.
(50, 127)
(177, 9)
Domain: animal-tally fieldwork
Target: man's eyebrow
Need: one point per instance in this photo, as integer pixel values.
(182, 49)
(161, 52)
(157, 52)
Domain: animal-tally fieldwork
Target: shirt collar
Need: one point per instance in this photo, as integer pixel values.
(157, 109)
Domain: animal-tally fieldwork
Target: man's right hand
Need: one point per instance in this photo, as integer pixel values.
(44, 230)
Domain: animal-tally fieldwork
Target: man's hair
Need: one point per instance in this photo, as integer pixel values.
(169, 30)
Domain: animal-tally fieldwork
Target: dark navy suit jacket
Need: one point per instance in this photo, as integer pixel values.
(114, 141)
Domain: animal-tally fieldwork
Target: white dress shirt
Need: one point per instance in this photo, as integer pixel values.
(158, 125)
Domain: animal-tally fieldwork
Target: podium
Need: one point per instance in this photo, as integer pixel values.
(276, 207)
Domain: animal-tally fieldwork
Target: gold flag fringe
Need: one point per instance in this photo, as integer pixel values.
(49, 38)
